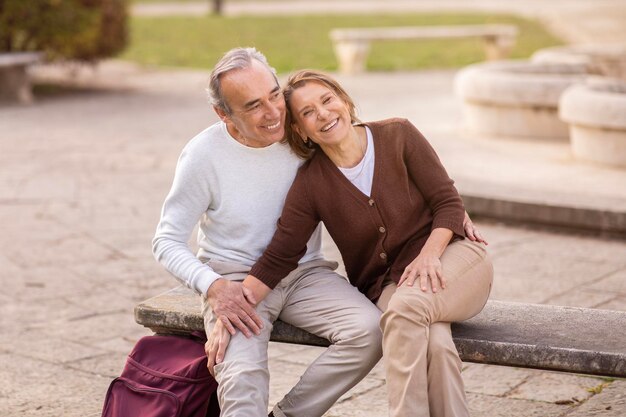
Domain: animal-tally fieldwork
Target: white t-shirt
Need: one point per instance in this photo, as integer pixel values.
(362, 174)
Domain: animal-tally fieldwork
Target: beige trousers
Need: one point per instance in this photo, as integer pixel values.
(421, 362)
(314, 298)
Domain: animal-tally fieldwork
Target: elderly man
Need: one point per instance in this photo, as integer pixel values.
(232, 179)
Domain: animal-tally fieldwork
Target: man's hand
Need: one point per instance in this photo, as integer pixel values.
(471, 231)
(216, 345)
(233, 305)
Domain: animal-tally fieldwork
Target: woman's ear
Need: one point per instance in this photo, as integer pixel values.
(297, 129)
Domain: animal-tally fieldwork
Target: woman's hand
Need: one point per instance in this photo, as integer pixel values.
(471, 231)
(426, 267)
(257, 287)
(216, 345)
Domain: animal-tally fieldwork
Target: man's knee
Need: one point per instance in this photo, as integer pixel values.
(364, 333)
(246, 355)
(365, 327)
(241, 372)
(370, 329)
(243, 387)
(370, 340)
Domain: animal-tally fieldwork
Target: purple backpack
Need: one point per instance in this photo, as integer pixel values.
(164, 376)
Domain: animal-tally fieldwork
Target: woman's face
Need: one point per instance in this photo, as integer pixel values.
(320, 114)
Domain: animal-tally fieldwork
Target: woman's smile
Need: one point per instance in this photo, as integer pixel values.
(330, 125)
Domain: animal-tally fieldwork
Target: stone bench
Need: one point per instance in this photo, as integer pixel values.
(14, 80)
(352, 46)
(579, 340)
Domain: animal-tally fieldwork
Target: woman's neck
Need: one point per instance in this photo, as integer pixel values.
(350, 151)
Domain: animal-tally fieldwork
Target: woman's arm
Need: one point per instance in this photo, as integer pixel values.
(294, 229)
(259, 288)
(297, 223)
(428, 174)
(449, 216)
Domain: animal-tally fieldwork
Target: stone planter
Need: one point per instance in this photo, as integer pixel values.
(516, 98)
(608, 60)
(596, 113)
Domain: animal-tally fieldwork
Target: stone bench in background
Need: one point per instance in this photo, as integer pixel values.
(569, 339)
(15, 85)
(352, 45)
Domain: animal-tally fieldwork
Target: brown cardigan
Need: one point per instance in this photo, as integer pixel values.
(378, 236)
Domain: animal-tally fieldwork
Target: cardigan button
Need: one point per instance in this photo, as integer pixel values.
(371, 202)
(383, 256)
(382, 229)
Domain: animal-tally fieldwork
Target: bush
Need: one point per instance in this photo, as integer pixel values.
(83, 30)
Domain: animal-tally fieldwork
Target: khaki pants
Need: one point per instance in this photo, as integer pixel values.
(422, 364)
(316, 299)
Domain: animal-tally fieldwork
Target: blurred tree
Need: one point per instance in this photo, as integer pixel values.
(217, 7)
(83, 30)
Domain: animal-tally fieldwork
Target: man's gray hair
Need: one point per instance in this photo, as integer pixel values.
(237, 58)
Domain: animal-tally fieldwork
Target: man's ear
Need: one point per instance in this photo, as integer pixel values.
(221, 114)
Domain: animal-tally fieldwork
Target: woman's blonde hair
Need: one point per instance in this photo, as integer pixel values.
(300, 79)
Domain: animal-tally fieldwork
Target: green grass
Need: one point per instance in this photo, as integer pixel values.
(293, 42)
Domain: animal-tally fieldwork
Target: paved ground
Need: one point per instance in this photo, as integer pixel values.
(83, 173)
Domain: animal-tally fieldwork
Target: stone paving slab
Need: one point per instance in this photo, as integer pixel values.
(611, 402)
(553, 388)
(39, 388)
(486, 405)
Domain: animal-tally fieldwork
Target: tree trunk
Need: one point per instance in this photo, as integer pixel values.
(217, 7)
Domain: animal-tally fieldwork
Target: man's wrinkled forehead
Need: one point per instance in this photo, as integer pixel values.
(249, 85)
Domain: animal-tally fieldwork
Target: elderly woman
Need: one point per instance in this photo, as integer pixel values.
(397, 220)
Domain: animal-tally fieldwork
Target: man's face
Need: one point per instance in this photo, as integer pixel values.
(257, 106)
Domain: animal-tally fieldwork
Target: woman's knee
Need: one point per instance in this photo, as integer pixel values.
(468, 269)
(409, 307)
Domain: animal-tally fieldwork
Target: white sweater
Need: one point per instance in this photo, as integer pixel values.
(236, 193)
